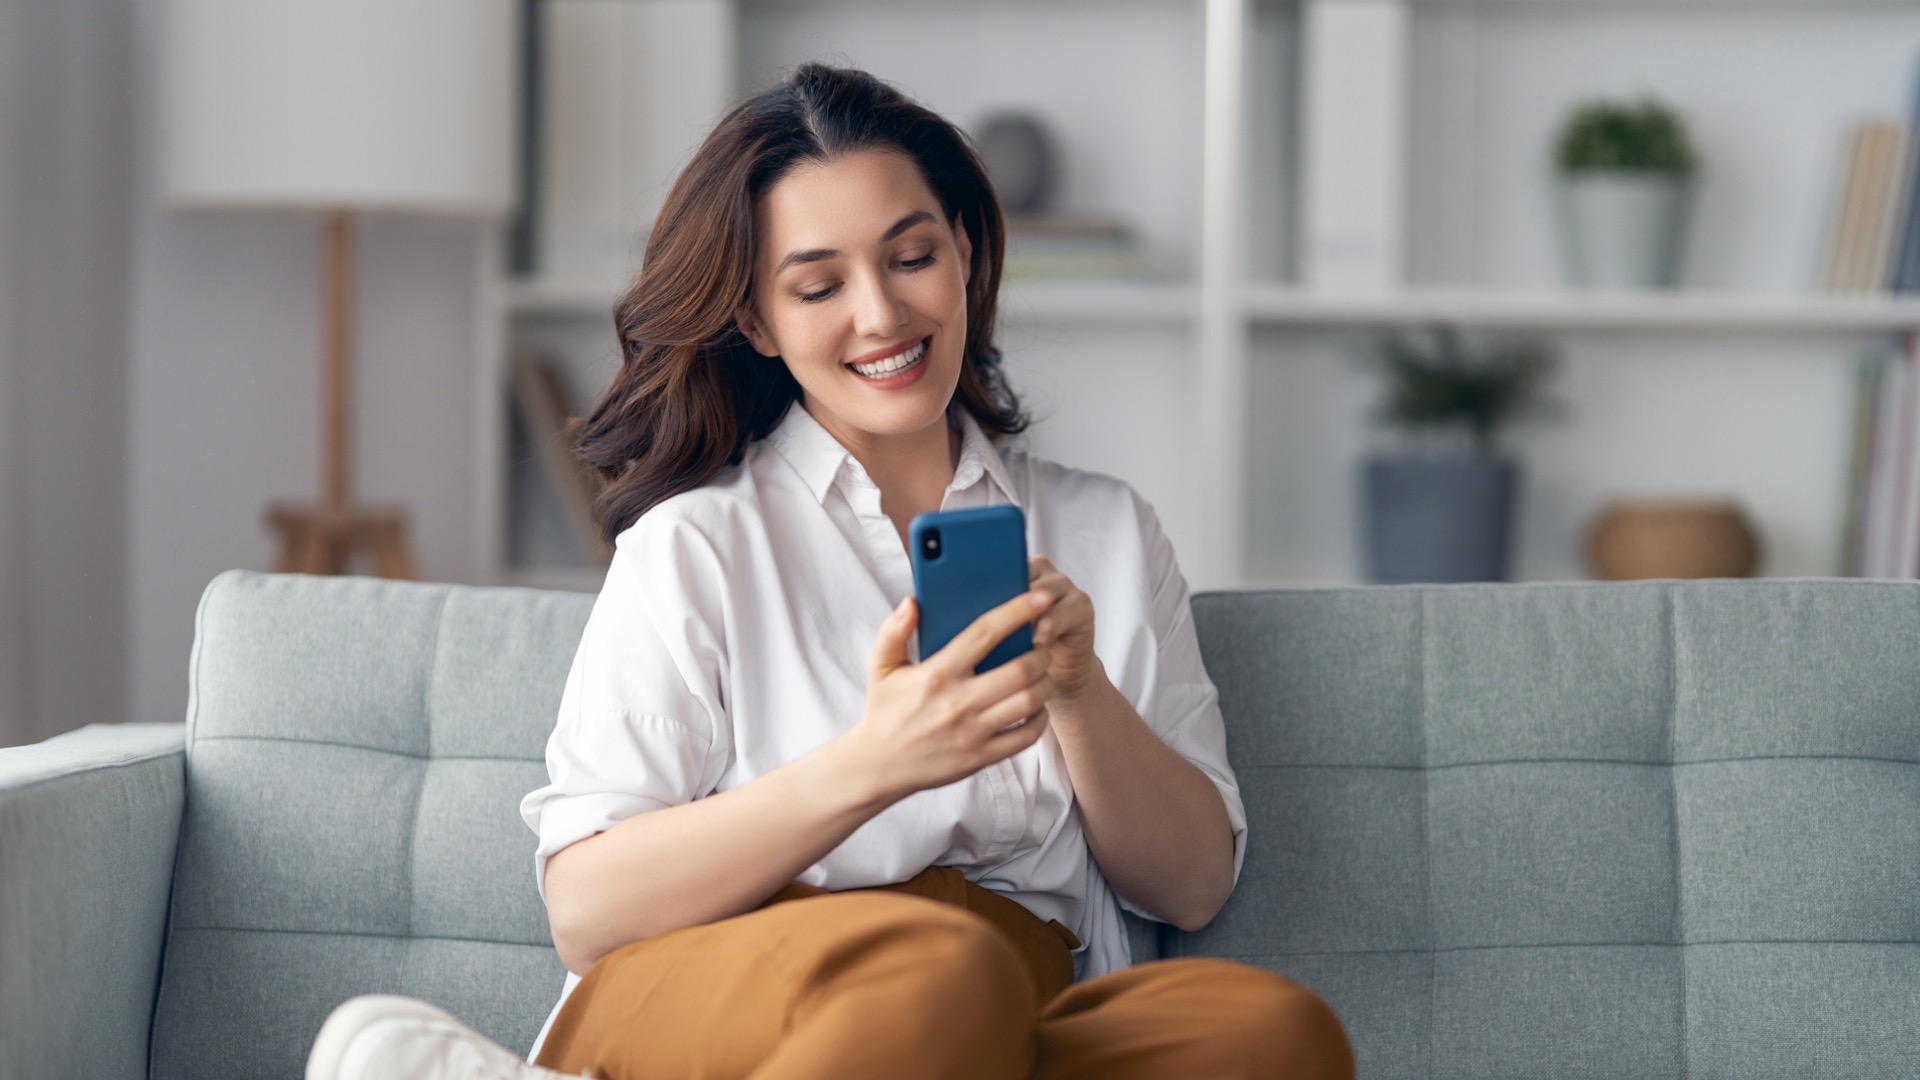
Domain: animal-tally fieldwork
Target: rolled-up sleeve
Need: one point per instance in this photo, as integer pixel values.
(1179, 701)
(642, 721)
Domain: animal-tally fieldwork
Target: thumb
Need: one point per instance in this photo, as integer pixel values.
(890, 645)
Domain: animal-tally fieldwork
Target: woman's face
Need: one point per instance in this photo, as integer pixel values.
(860, 286)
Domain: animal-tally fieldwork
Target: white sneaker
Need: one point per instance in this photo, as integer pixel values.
(388, 1037)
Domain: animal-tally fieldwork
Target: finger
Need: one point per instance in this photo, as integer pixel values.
(1018, 706)
(970, 646)
(1052, 585)
(1007, 743)
(1073, 612)
(890, 644)
(1016, 674)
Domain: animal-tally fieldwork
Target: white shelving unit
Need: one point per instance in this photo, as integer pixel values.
(1559, 310)
(1227, 394)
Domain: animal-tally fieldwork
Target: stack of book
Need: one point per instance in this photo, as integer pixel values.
(1873, 224)
(1058, 246)
(1881, 528)
(543, 405)
(1873, 234)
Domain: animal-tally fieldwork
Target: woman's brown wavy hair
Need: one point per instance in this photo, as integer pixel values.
(691, 394)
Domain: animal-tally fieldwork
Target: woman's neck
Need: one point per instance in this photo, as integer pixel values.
(912, 471)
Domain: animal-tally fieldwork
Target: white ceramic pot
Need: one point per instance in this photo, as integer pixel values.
(1622, 228)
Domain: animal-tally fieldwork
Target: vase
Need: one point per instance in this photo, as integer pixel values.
(1671, 538)
(1438, 518)
(1622, 228)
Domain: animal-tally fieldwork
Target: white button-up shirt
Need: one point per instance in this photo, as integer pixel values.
(732, 636)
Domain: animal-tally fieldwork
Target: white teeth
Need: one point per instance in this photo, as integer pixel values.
(893, 363)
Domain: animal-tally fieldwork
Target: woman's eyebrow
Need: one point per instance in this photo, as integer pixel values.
(817, 254)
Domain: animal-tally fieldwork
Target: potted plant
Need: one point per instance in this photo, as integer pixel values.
(1625, 187)
(1440, 507)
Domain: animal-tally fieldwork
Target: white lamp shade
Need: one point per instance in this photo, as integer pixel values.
(404, 105)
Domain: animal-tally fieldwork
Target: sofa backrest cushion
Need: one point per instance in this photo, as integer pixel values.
(1657, 830)
(356, 754)
(1583, 830)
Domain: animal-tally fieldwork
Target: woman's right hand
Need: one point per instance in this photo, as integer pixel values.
(934, 722)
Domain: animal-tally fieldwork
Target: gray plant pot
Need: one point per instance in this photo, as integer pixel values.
(1622, 228)
(1438, 519)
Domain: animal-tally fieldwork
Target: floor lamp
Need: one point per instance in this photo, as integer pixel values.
(340, 108)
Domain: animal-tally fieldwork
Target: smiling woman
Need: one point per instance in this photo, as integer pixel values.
(761, 856)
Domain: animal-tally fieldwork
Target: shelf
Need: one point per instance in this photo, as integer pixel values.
(1274, 305)
(1088, 301)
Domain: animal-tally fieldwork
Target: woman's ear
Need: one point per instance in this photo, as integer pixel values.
(965, 244)
(756, 335)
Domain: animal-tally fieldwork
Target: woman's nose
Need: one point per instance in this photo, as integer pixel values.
(877, 311)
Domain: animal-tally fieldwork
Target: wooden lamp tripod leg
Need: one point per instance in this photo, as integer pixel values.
(322, 539)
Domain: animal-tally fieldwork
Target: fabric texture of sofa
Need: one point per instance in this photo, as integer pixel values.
(1573, 830)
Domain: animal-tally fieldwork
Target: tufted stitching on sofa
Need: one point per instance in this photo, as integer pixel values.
(420, 792)
(1673, 797)
(1426, 842)
(285, 931)
(305, 741)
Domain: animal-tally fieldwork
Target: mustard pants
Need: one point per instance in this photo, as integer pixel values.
(933, 977)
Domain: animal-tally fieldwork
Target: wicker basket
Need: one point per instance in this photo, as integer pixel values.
(1671, 538)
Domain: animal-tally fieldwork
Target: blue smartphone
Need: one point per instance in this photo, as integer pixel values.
(966, 562)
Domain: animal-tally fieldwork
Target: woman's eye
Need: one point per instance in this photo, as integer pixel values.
(920, 263)
(815, 297)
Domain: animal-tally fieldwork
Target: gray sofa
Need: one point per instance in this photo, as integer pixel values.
(1582, 830)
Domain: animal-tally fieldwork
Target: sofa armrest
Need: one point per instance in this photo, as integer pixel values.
(88, 825)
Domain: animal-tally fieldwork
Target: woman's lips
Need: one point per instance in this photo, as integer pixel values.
(902, 369)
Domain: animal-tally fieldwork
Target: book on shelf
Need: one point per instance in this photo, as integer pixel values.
(1889, 199)
(1906, 273)
(1354, 128)
(1871, 243)
(1841, 213)
(1866, 383)
(1086, 247)
(1882, 534)
(1848, 225)
(541, 395)
(623, 94)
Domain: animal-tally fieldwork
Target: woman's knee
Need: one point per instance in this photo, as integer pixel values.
(1278, 1020)
(941, 946)
(940, 980)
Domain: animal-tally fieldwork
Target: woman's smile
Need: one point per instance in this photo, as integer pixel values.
(897, 367)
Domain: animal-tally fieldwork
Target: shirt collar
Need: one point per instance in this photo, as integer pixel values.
(819, 458)
(812, 451)
(978, 456)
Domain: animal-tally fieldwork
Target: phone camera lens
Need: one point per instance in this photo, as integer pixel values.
(930, 543)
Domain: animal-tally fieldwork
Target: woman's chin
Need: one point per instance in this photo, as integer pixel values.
(897, 414)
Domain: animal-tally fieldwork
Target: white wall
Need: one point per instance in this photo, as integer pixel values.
(63, 319)
(13, 629)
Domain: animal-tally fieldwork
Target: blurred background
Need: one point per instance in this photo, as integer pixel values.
(1350, 290)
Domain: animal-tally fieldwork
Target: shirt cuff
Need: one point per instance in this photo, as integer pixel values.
(570, 818)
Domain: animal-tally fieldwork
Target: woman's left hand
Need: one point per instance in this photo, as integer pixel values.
(1066, 628)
